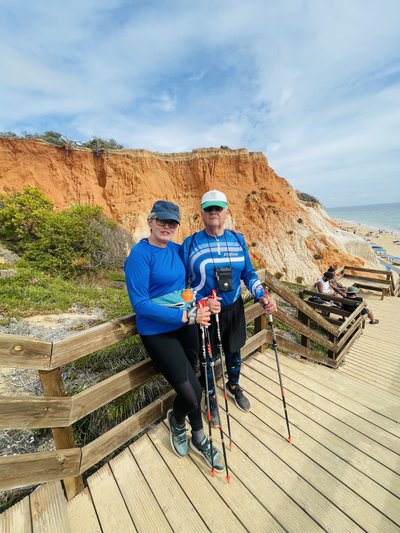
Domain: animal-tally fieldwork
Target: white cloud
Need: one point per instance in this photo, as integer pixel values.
(314, 85)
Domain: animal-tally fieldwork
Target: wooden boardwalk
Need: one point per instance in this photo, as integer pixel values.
(341, 473)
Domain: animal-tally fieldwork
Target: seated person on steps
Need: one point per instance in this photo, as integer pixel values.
(323, 286)
(338, 288)
(351, 293)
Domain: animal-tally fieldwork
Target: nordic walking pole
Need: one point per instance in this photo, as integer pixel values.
(221, 356)
(228, 477)
(201, 303)
(275, 347)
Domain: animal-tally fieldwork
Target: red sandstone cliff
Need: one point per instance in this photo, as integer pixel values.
(287, 235)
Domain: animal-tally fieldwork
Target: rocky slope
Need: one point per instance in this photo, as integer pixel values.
(285, 235)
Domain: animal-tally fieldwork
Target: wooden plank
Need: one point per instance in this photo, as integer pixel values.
(216, 513)
(342, 466)
(25, 412)
(326, 478)
(82, 514)
(297, 302)
(32, 468)
(301, 350)
(364, 269)
(140, 501)
(53, 385)
(107, 390)
(253, 311)
(24, 352)
(366, 279)
(91, 340)
(253, 343)
(234, 503)
(176, 506)
(264, 444)
(126, 430)
(108, 502)
(352, 329)
(367, 404)
(17, 519)
(304, 329)
(49, 509)
(356, 446)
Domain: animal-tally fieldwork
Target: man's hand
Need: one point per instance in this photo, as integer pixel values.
(268, 304)
(214, 304)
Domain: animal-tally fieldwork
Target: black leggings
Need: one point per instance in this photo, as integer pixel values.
(175, 355)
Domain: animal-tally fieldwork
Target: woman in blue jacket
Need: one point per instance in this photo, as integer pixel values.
(155, 274)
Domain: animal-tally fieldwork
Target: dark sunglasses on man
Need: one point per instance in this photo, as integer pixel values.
(211, 208)
(172, 224)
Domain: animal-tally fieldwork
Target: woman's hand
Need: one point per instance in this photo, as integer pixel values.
(214, 304)
(203, 316)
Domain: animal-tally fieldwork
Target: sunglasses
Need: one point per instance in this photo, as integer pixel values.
(172, 224)
(211, 208)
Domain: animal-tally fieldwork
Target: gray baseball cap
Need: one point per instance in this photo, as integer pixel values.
(164, 210)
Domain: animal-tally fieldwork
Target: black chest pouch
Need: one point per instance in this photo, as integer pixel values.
(223, 276)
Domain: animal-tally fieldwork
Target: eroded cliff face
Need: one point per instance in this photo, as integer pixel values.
(284, 234)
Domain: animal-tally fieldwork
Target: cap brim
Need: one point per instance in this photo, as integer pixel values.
(215, 203)
(354, 291)
(167, 216)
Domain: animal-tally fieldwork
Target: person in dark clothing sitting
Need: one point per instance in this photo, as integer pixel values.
(351, 293)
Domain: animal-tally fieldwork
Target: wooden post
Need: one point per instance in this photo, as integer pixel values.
(305, 341)
(53, 385)
(260, 323)
(332, 354)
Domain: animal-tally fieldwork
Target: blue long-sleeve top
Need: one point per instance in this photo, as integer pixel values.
(202, 253)
(151, 272)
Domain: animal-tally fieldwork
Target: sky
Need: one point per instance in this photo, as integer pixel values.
(313, 84)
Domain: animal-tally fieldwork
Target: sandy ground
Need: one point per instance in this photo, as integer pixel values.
(381, 237)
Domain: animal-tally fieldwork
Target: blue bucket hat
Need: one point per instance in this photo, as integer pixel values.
(164, 210)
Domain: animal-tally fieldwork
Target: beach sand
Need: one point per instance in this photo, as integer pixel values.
(384, 239)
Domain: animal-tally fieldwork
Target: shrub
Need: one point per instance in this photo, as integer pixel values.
(278, 275)
(290, 232)
(23, 216)
(75, 240)
(317, 256)
(300, 220)
(300, 280)
(304, 197)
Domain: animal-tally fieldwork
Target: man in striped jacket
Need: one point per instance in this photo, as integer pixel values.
(218, 259)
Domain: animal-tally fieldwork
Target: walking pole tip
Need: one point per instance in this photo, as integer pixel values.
(212, 472)
(228, 479)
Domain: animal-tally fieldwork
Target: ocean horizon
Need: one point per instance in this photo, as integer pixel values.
(379, 216)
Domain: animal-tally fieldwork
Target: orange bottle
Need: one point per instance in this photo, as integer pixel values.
(187, 295)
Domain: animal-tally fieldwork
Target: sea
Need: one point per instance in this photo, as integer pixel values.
(379, 216)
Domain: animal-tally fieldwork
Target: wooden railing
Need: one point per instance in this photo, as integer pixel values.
(57, 411)
(378, 280)
(321, 337)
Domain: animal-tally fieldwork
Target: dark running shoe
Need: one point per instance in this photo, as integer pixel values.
(374, 321)
(177, 436)
(203, 448)
(213, 409)
(240, 399)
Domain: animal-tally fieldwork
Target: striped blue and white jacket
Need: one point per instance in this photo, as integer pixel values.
(202, 253)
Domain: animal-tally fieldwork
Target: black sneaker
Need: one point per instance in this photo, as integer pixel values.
(213, 409)
(203, 448)
(240, 399)
(177, 436)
